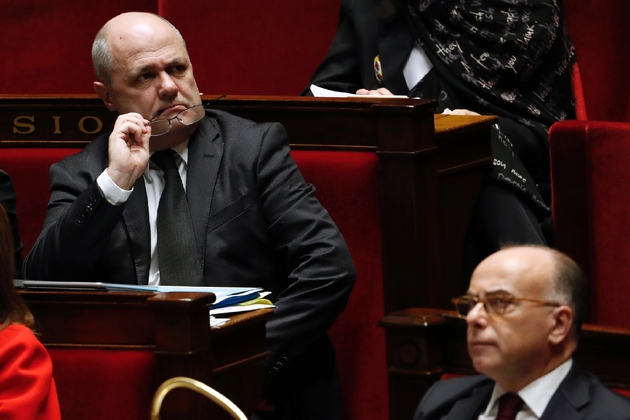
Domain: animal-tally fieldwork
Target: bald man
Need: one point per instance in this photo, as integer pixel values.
(256, 222)
(524, 308)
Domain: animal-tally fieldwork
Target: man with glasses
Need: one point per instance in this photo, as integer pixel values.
(524, 308)
(246, 217)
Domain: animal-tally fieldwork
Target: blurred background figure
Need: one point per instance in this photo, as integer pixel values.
(8, 201)
(512, 59)
(27, 387)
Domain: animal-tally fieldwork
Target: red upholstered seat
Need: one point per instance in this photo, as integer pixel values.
(347, 186)
(104, 384)
(28, 168)
(590, 181)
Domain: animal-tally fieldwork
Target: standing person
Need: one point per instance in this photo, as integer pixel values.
(252, 219)
(510, 58)
(524, 309)
(8, 201)
(27, 387)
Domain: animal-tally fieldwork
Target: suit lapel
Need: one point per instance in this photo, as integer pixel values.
(570, 398)
(470, 408)
(205, 152)
(136, 220)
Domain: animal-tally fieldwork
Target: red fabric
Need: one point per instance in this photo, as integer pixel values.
(28, 168)
(578, 93)
(27, 387)
(625, 392)
(347, 186)
(600, 32)
(104, 384)
(265, 47)
(590, 178)
(50, 42)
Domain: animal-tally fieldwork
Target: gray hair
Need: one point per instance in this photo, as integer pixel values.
(102, 59)
(569, 283)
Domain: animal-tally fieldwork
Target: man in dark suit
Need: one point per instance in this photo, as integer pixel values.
(255, 220)
(524, 309)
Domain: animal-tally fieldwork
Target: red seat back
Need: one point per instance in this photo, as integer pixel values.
(347, 186)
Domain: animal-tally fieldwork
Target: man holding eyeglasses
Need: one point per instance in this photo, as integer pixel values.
(524, 308)
(250, 218)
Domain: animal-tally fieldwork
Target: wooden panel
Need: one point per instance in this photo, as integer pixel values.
(175, 326)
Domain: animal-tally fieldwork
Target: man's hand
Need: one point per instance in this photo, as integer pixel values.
(461, 111)
(377, 92)
(128, 149)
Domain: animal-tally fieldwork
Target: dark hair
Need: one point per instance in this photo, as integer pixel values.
(12, 307)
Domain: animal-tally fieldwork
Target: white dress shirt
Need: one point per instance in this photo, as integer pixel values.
(536, 395)
(417, 66)
(154, 184)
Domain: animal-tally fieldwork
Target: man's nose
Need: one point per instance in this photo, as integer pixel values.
(477, 315)
(167, 86)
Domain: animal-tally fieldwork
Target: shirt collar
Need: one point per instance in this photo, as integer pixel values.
(537, 394)
(182, 152)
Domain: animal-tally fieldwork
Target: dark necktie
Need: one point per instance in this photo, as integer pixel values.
(509, 405)
(177, 251)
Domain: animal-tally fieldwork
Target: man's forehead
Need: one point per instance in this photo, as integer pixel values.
(512, 270)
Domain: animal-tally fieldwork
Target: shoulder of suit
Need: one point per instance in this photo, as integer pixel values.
(224, 121)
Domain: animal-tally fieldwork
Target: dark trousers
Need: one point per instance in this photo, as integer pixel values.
(308, 388)
(500, 217)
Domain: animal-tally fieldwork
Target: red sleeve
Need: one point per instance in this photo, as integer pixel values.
(27, 388)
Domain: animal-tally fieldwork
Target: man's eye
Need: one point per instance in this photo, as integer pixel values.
(498, 301)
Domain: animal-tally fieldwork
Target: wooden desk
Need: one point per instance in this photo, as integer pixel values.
(173, 326)
(430, 168)
(424, 344)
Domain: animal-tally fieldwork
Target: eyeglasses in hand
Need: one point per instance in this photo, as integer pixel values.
(493, 303)
(188, 116)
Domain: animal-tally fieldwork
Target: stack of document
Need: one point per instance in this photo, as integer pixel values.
(229, 300)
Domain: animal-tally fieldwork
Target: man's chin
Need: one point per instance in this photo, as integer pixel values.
(483, 360)
(176, 136)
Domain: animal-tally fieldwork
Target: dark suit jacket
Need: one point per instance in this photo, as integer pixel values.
(361, 36)
(8, 201)
(256, 223)
(579, 396)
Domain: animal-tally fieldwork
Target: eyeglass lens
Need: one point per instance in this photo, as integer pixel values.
(491, 304)
(187, 117)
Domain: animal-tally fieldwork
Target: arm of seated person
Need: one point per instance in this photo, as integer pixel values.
(387, 92)
(27, 388)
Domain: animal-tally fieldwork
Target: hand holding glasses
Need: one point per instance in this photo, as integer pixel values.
(189, 116)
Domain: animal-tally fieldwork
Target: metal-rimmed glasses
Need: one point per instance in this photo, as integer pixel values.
(493, 303)
(188, 116)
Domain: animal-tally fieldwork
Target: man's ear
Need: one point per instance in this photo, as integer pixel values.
(103, 92)
(563, 321)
